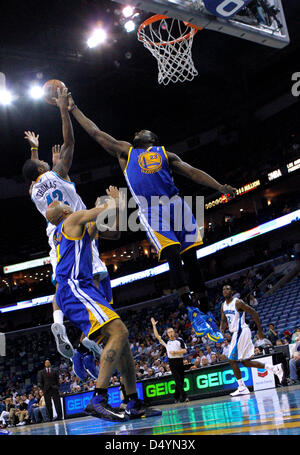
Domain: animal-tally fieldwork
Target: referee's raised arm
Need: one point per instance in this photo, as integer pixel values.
(156, 334)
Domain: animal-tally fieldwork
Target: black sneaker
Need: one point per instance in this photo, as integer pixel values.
(136, 408)
(99, 407)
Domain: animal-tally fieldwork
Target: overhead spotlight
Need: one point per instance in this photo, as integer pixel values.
(98, 37)
(129, 26)
(128, 11)
(36, 92)
(5, 97)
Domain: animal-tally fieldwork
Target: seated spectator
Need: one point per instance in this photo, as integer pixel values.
(12, 411)
(160, 372)
(196, 364)
(226, 347)
(213, 359)
(32, 400)
(209, 353)
(22, 413)
(287, 336)
(279, 343)
(204, 361)
(218, 348)
(295, 335)
(91, 385)
(150, 373)
(294, 362)
(40, 413)
(168, 369)
(257, 351)
(4, 417)
(272, 334)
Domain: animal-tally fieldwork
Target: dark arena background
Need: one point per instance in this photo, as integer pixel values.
(239, 121)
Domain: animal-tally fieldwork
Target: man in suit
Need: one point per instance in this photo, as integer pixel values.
(49, 383)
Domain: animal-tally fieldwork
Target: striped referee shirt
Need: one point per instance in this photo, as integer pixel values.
(174, 345)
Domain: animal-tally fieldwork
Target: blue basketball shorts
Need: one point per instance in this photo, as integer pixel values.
(84, 305)
(171, 223)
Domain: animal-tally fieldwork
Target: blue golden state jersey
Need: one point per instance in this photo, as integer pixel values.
(148, 174)
(74, 256)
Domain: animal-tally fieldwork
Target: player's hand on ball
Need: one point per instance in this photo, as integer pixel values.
(62, 98)
(32, 138)
(227, 189)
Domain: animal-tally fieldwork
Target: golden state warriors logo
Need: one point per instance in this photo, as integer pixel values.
(150, 162)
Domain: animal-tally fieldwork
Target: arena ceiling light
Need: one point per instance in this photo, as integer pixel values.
(128, 11)
(99, 36)
(129, 26)
(36, 92)
(5, 97)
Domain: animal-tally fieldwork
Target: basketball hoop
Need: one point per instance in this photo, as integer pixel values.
(170, 42)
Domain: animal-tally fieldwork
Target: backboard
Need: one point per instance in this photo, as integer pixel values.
(261, 21)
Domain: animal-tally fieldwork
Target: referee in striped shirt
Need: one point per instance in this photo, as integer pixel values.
(176, 349)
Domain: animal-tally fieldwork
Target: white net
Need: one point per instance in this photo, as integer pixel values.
(170, 42)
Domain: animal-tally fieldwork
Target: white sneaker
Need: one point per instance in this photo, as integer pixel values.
(278, 370)
(240, 391)
(20, 424)
(63, 345)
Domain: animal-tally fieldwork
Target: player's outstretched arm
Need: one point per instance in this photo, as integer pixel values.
(63, 166)
(33, 141)
(240, 305)
(113, 146)
(198, 176)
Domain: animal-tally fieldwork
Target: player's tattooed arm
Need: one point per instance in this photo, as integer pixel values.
(242, 306)
(33, 141)
(202, 178)
(116, 148)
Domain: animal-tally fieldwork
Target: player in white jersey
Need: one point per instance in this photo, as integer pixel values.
(241, 347)
(50, 185)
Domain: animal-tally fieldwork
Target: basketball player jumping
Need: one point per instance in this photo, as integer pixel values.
(147, 168)
(241, 347)
(86, 307)
(55, 184)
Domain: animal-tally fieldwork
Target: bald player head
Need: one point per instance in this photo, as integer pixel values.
(57, 212)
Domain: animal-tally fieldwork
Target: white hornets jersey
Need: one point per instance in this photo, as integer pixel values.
(235, 319)
(50, 187)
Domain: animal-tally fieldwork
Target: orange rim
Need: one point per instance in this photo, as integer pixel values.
(159, 17)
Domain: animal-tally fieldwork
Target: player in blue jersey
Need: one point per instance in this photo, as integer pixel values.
(46, 186)
(86, 307)
(148, 171)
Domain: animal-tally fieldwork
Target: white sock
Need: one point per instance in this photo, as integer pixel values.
(241, 383)
(58, 316)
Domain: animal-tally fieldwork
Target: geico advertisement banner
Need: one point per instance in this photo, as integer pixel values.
(197, 382)
(263, 379)
(75, 403)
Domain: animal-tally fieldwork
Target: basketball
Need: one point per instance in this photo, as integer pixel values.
(50, 89)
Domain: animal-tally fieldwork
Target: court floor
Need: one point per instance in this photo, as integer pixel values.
(266, 412)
